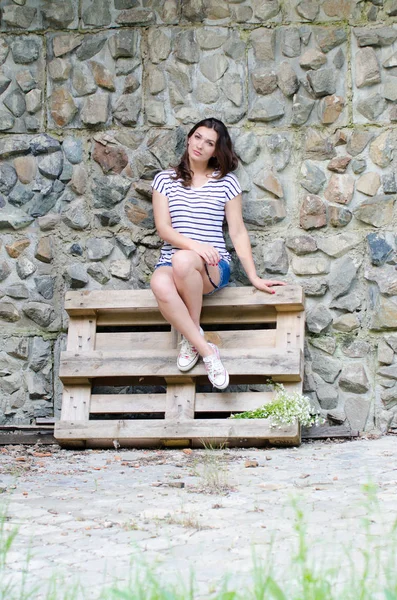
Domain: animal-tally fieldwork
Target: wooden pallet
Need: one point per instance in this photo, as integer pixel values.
(119, 338)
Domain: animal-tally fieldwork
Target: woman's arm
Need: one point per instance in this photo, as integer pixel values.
(241, 242)
(167, 233)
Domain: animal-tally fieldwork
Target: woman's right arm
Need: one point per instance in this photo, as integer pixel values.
(162, 219)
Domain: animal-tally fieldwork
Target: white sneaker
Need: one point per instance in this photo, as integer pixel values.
(188, 355)
(216, 372)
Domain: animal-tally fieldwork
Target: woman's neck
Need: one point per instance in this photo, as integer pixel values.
(199, 168)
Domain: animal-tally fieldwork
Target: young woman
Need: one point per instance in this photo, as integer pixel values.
(190, 203)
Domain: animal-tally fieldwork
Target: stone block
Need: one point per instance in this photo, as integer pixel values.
(318, 319)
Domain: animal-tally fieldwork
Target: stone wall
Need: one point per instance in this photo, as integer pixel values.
(96, 96)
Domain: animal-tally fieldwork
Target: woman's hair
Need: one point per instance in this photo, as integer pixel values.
(224, 159)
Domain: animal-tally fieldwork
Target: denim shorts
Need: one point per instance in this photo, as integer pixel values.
(224, 271)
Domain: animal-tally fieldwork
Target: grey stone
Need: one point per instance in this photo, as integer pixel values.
(263, 212)
(389, 183)
(391, 9)
(19, 16)
(43, 144)
(25, 267)
(17, 347)
(59, 69)
(45, 285)
(9, 312)
(313, 212)
(280, 149)
(367, 68)
(97, 14)
(266, 9)
(98, 272)
(376, 36)
(339, 59)
(389, 397)
(388, 372)
(51, 165)
(350, 303)
(83, 80)
(209, 39)
(4, 82)
(15, 102)
(135, 16)
(214, 67)
(392, 341)
(40, 313)
(247, 147)
(312, 59)
(356, 410)
(325, 343)
(90, 46)
(14, 218)
(76, 250)
(155, 113)
(40, 354)
(390, 89)
(121, 269)
(301, 108)
(340, 189)
(76, 216)
(95, 109)
(380, 248)
(4, 50)
(391, 62)
(318, 319)
(8, 178)
(310, 265)
(372, 106)
(33, 104)
(329, 38)
(290, 42)
(264, 81)
(322, 82)
(385, 277)
(7, 121)
(266, 109)
(42, 204)
(109, 191)
(232, 88)
(381, 150)
(267, 181)
(384, 313)
(73, 149)
(326, 393)
(11, 383)
(234, 47)
(19, 291)
(263, 42)
(48, 222)
(159, 46)
(99, 248)
(354, 378)
(109, 218)
(126, 244)
(186, 47)
(76, 276)
(287, 79)
(308, 9)
(301, 244)
(5, 270)
(38, 386)
(275, 257)
(25, 50)
(313, 177)
(58, 14)
(127, 109)
(376, 211)
(328, 368)
(343, 273)
(356, 349)
(358, 165)
(338, 245)
(385, 353)
(358, 141)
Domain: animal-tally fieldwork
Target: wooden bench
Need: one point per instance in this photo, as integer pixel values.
(119, 338)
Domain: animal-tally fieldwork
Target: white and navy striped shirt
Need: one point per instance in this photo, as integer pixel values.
(197, 213)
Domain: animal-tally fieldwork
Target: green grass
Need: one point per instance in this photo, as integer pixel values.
(365, 573)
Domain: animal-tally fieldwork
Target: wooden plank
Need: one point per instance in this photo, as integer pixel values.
(198, 429)
(326, 431)
(155, 403)
(75, 367)
(81, 334)
(97, 301)
(180, 400)
(76, 402)
(29, 438)
(125, 341)
(213, 315)
(290, 330)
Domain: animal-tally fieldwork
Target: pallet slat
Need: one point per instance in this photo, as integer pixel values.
(76, 367)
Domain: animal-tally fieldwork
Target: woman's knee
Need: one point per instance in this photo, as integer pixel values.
(184, 262)
(162, 286)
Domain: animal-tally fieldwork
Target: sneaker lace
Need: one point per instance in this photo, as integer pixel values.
(215, 366)
(186, 348)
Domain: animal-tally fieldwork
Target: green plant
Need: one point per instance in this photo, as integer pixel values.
(286, 408)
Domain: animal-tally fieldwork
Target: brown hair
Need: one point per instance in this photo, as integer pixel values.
(224, 159)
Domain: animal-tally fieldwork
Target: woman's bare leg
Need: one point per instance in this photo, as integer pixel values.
(174, 309)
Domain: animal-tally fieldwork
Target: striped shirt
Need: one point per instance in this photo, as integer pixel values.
(197, 213)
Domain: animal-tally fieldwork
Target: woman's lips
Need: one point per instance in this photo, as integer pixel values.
(196, 152)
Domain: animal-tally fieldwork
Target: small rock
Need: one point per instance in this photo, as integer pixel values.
(16, 248)
(264, 81)
(312, 59)
(322, 82)
(376, 211)
(372, 106)
(358, 141)
(339, 164)
(25, 51)
(368, 184)
(103, 77)
(287, 79)
(328, 368)
(301, 244)
(380, 249)
(340, 189)
(9, 312)
(269, 182)
(310, 265)
(98, 248)
(329, 38)
(15, 102)
(367, 68)
(313, 213)
(290, 42)
(301, 109)
(121, 269)
(346, 323)
(42, 314)
(266, 109)
(275, 257)
(76, 276)
(65, 43)
(381, 150)
(354, 379)
(250, 464)
(62, 106)
(308, 9)
(313, 177)
(389, 183)
(44, 250)
(95, 109)
(330, 109)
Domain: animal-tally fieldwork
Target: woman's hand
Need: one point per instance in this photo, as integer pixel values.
(208, 253)
(265, 285)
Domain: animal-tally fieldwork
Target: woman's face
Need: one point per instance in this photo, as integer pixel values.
(201, 144)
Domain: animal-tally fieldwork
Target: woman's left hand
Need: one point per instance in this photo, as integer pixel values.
(265, 285)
